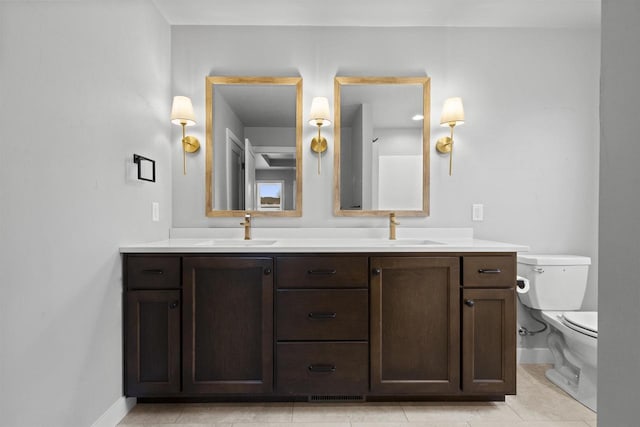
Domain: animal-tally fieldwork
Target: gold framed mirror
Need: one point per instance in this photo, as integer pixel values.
(381, 146)
(253, 146)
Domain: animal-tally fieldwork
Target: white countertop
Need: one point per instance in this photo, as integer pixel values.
(321, 241)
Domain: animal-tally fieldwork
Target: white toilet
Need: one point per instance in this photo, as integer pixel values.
(556, 287)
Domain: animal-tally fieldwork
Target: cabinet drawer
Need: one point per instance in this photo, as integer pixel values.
(314, 315)
(322, 272)
(153, 272)
(495, 271)
(327, 368)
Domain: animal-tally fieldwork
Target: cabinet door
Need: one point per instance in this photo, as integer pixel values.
(415, 325)
(227, 324)
(488, 341)
(152, 339)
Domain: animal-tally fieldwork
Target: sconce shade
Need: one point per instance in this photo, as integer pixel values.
(182, 111)
(319, 115)
(452, 112)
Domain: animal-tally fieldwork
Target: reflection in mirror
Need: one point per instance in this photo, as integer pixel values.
(271, 195)
(381, 146)
(254, 150)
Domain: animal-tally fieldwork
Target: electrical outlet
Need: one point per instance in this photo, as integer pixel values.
(478, 212)
(155, 211)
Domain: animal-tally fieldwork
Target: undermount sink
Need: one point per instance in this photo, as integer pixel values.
(319, 242)
(367, 242)
(410, 242)
(236, 242)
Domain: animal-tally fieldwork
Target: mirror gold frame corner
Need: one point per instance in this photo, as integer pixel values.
(425, 81)
(210, 83)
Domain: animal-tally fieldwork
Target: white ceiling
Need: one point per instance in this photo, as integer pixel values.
(385, 13)
(261, 105)
(392, 106)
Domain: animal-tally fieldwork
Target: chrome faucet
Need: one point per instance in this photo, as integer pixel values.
(247, 226)
(392, 226)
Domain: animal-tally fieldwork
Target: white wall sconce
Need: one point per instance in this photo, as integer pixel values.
(452, 115)
(182, 114)
(319, 116)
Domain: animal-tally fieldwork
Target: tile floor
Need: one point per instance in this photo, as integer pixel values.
(538, 404)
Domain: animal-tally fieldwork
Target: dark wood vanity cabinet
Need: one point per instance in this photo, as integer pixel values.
(488, 325)
(153, 342)
(227, 325)
(415, 325)
(488, 341)
(320, 325)
(152, 325)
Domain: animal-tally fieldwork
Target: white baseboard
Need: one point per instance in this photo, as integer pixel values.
(116, 412)
(534, 355)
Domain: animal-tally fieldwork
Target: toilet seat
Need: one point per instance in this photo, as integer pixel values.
(584, 322)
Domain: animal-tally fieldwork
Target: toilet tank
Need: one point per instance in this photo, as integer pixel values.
(557, 282)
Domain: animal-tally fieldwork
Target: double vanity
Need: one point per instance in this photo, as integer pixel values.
(319, 314)
(320, 319)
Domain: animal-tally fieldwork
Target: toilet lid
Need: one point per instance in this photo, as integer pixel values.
(582, 321)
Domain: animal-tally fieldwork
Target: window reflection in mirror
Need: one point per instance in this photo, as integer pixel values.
(253, 136)
(381, 140)
(270, 195)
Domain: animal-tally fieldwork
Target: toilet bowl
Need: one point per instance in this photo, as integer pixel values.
(573, 341)
(556, 285)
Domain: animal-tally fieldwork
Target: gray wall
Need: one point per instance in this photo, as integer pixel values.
(225, 118)
(271, 136)
(619, 298)
(358, 156)
(528, 150)
(83, 86)
(347, 187)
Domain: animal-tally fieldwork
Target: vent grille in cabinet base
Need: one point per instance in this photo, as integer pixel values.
(335, 398)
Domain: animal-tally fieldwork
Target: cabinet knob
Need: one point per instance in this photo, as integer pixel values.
(469, 302)
(377, 271)
(267, 271)
(173, 305)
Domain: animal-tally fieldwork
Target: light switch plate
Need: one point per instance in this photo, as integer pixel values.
(155, 211)
(478, 212)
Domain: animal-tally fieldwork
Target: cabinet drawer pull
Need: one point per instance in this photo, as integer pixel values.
(322, 315)
(377, 271)
(321, 272)
(153, 271)
(469, 302)
(322, 368)
(174, 305)
(489, 271)
(267, 271)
